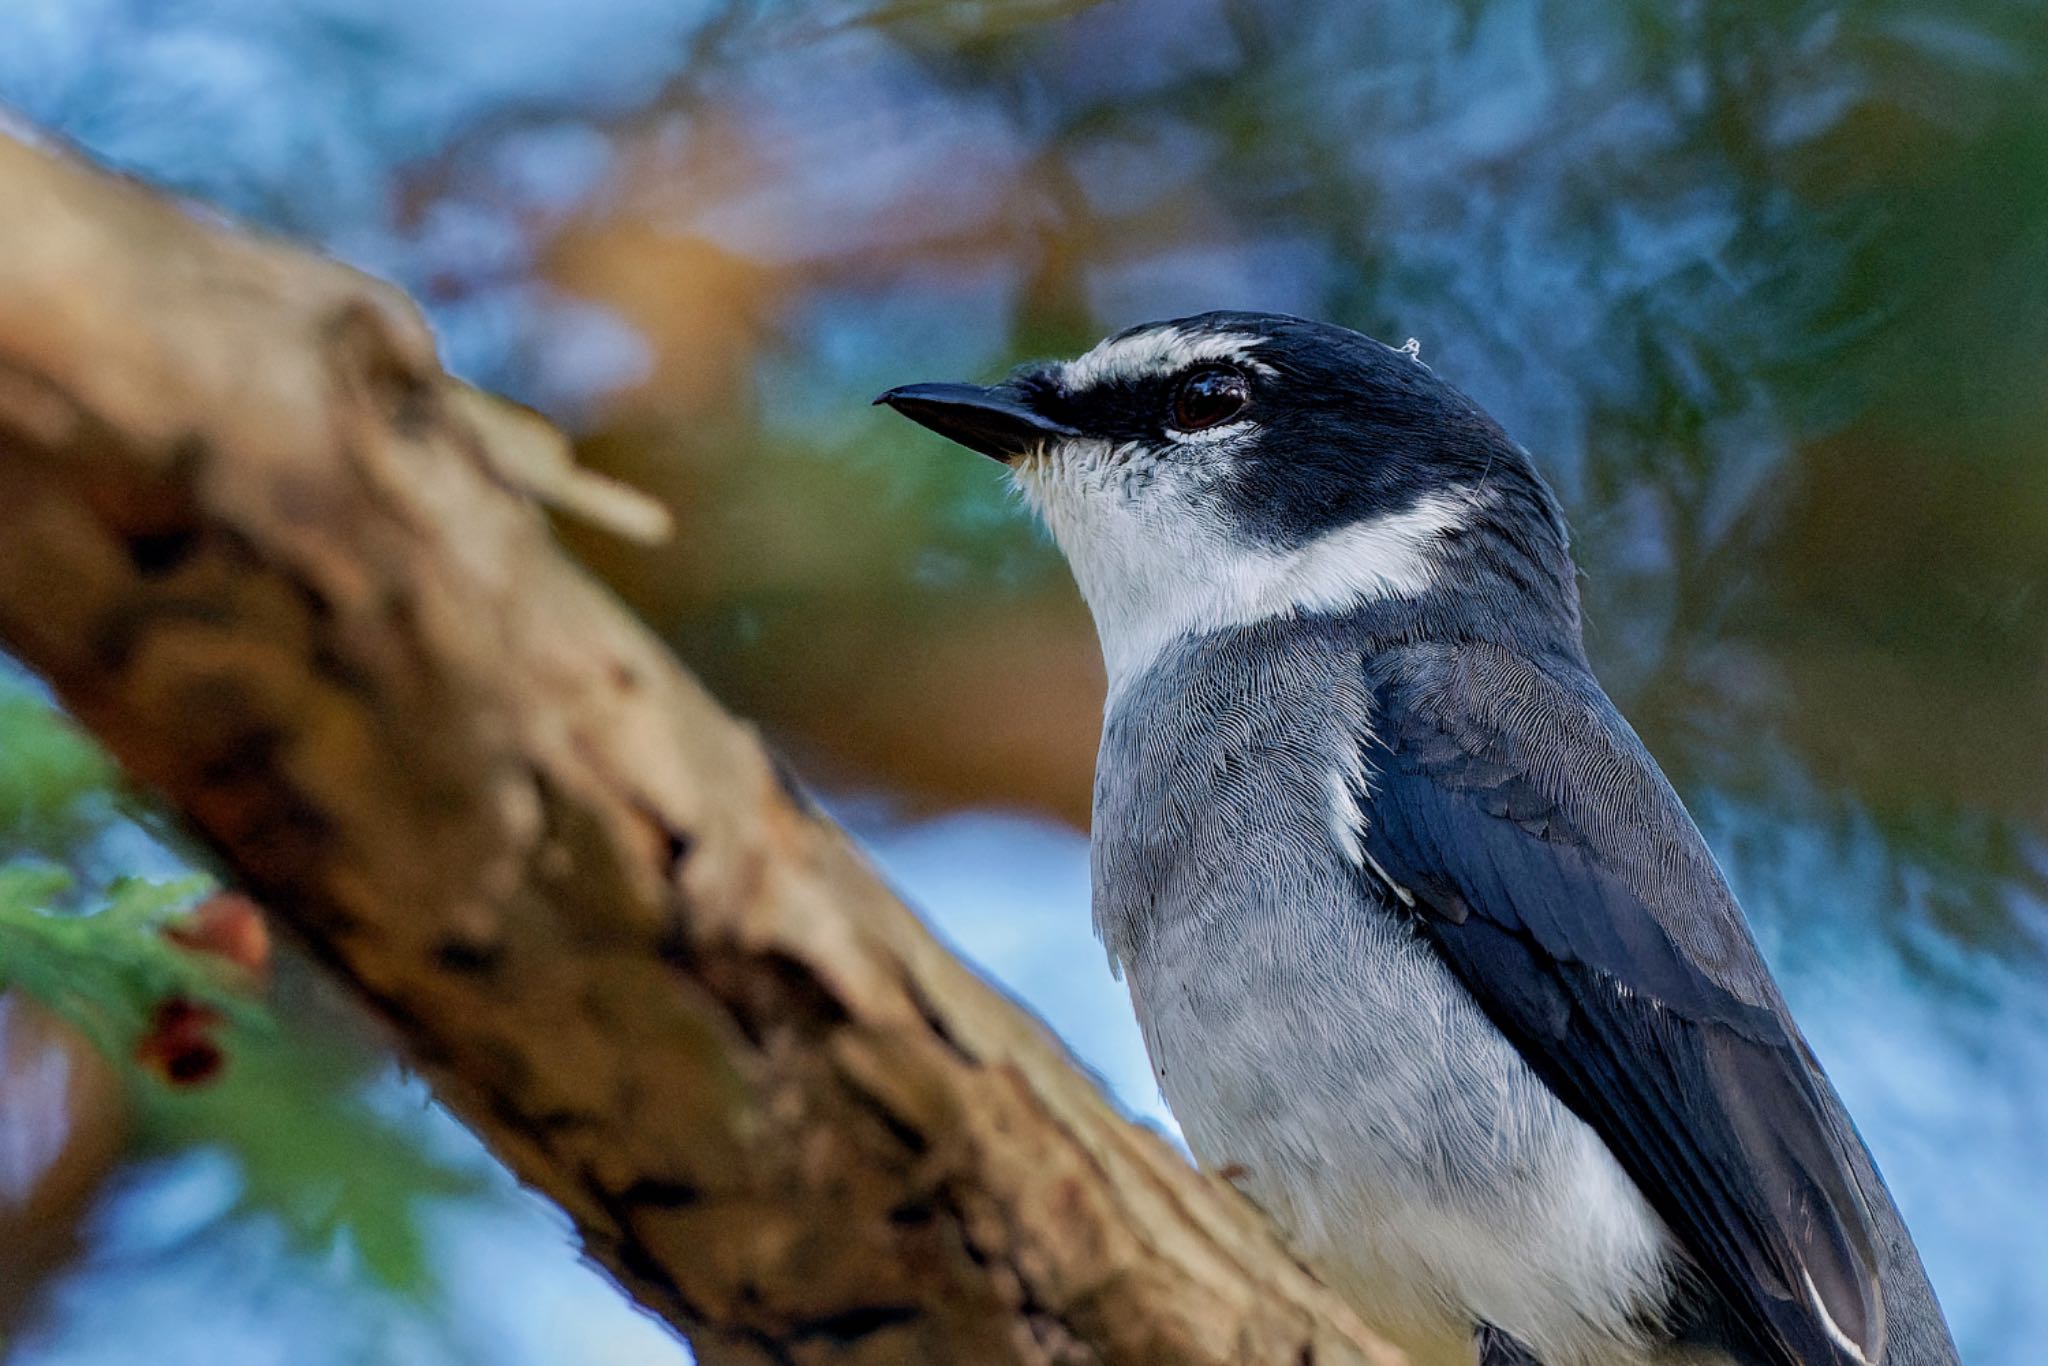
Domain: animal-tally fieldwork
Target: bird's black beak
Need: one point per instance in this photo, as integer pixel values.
(996, 421)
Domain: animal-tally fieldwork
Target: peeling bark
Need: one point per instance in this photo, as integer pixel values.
(297, 579)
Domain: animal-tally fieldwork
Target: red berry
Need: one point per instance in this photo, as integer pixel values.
(227, 925)
(178, 1045)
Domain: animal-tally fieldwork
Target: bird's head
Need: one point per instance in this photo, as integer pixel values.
(1220, 470)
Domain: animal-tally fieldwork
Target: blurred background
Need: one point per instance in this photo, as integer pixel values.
(1763, 286)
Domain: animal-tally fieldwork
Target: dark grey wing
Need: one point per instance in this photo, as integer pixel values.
(1560, 878)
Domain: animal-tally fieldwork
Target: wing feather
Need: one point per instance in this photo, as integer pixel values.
(1560, 878)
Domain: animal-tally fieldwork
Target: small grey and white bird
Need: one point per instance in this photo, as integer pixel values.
(1427, 953)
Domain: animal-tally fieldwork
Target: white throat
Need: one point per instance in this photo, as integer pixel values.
(1153, 575)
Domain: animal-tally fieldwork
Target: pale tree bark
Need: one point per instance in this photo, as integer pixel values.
(296, 578)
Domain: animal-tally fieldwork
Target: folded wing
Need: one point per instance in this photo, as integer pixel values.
(1559, 877)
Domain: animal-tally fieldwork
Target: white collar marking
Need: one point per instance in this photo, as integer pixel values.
(1197, 584)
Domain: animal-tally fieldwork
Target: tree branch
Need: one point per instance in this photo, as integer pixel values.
(294, 576)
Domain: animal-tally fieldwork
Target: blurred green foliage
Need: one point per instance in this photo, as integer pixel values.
(49, 780)
(289, 1106)
(336, 1173)
(105, 970)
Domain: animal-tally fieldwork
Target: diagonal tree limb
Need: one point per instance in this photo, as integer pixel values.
(295, 578)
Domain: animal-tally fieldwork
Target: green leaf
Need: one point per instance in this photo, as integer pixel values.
(290, 1107)
(104, 972)
(54, 781)
(289, 1104)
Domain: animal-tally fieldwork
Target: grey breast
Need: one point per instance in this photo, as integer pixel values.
(1292, 1012)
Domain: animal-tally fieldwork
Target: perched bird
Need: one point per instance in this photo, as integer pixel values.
(1427, 953)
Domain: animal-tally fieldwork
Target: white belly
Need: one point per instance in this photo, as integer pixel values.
(1340, 1076)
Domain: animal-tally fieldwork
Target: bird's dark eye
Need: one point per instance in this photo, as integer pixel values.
(1209, 396)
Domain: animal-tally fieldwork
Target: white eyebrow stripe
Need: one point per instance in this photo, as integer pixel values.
(1155, 354)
